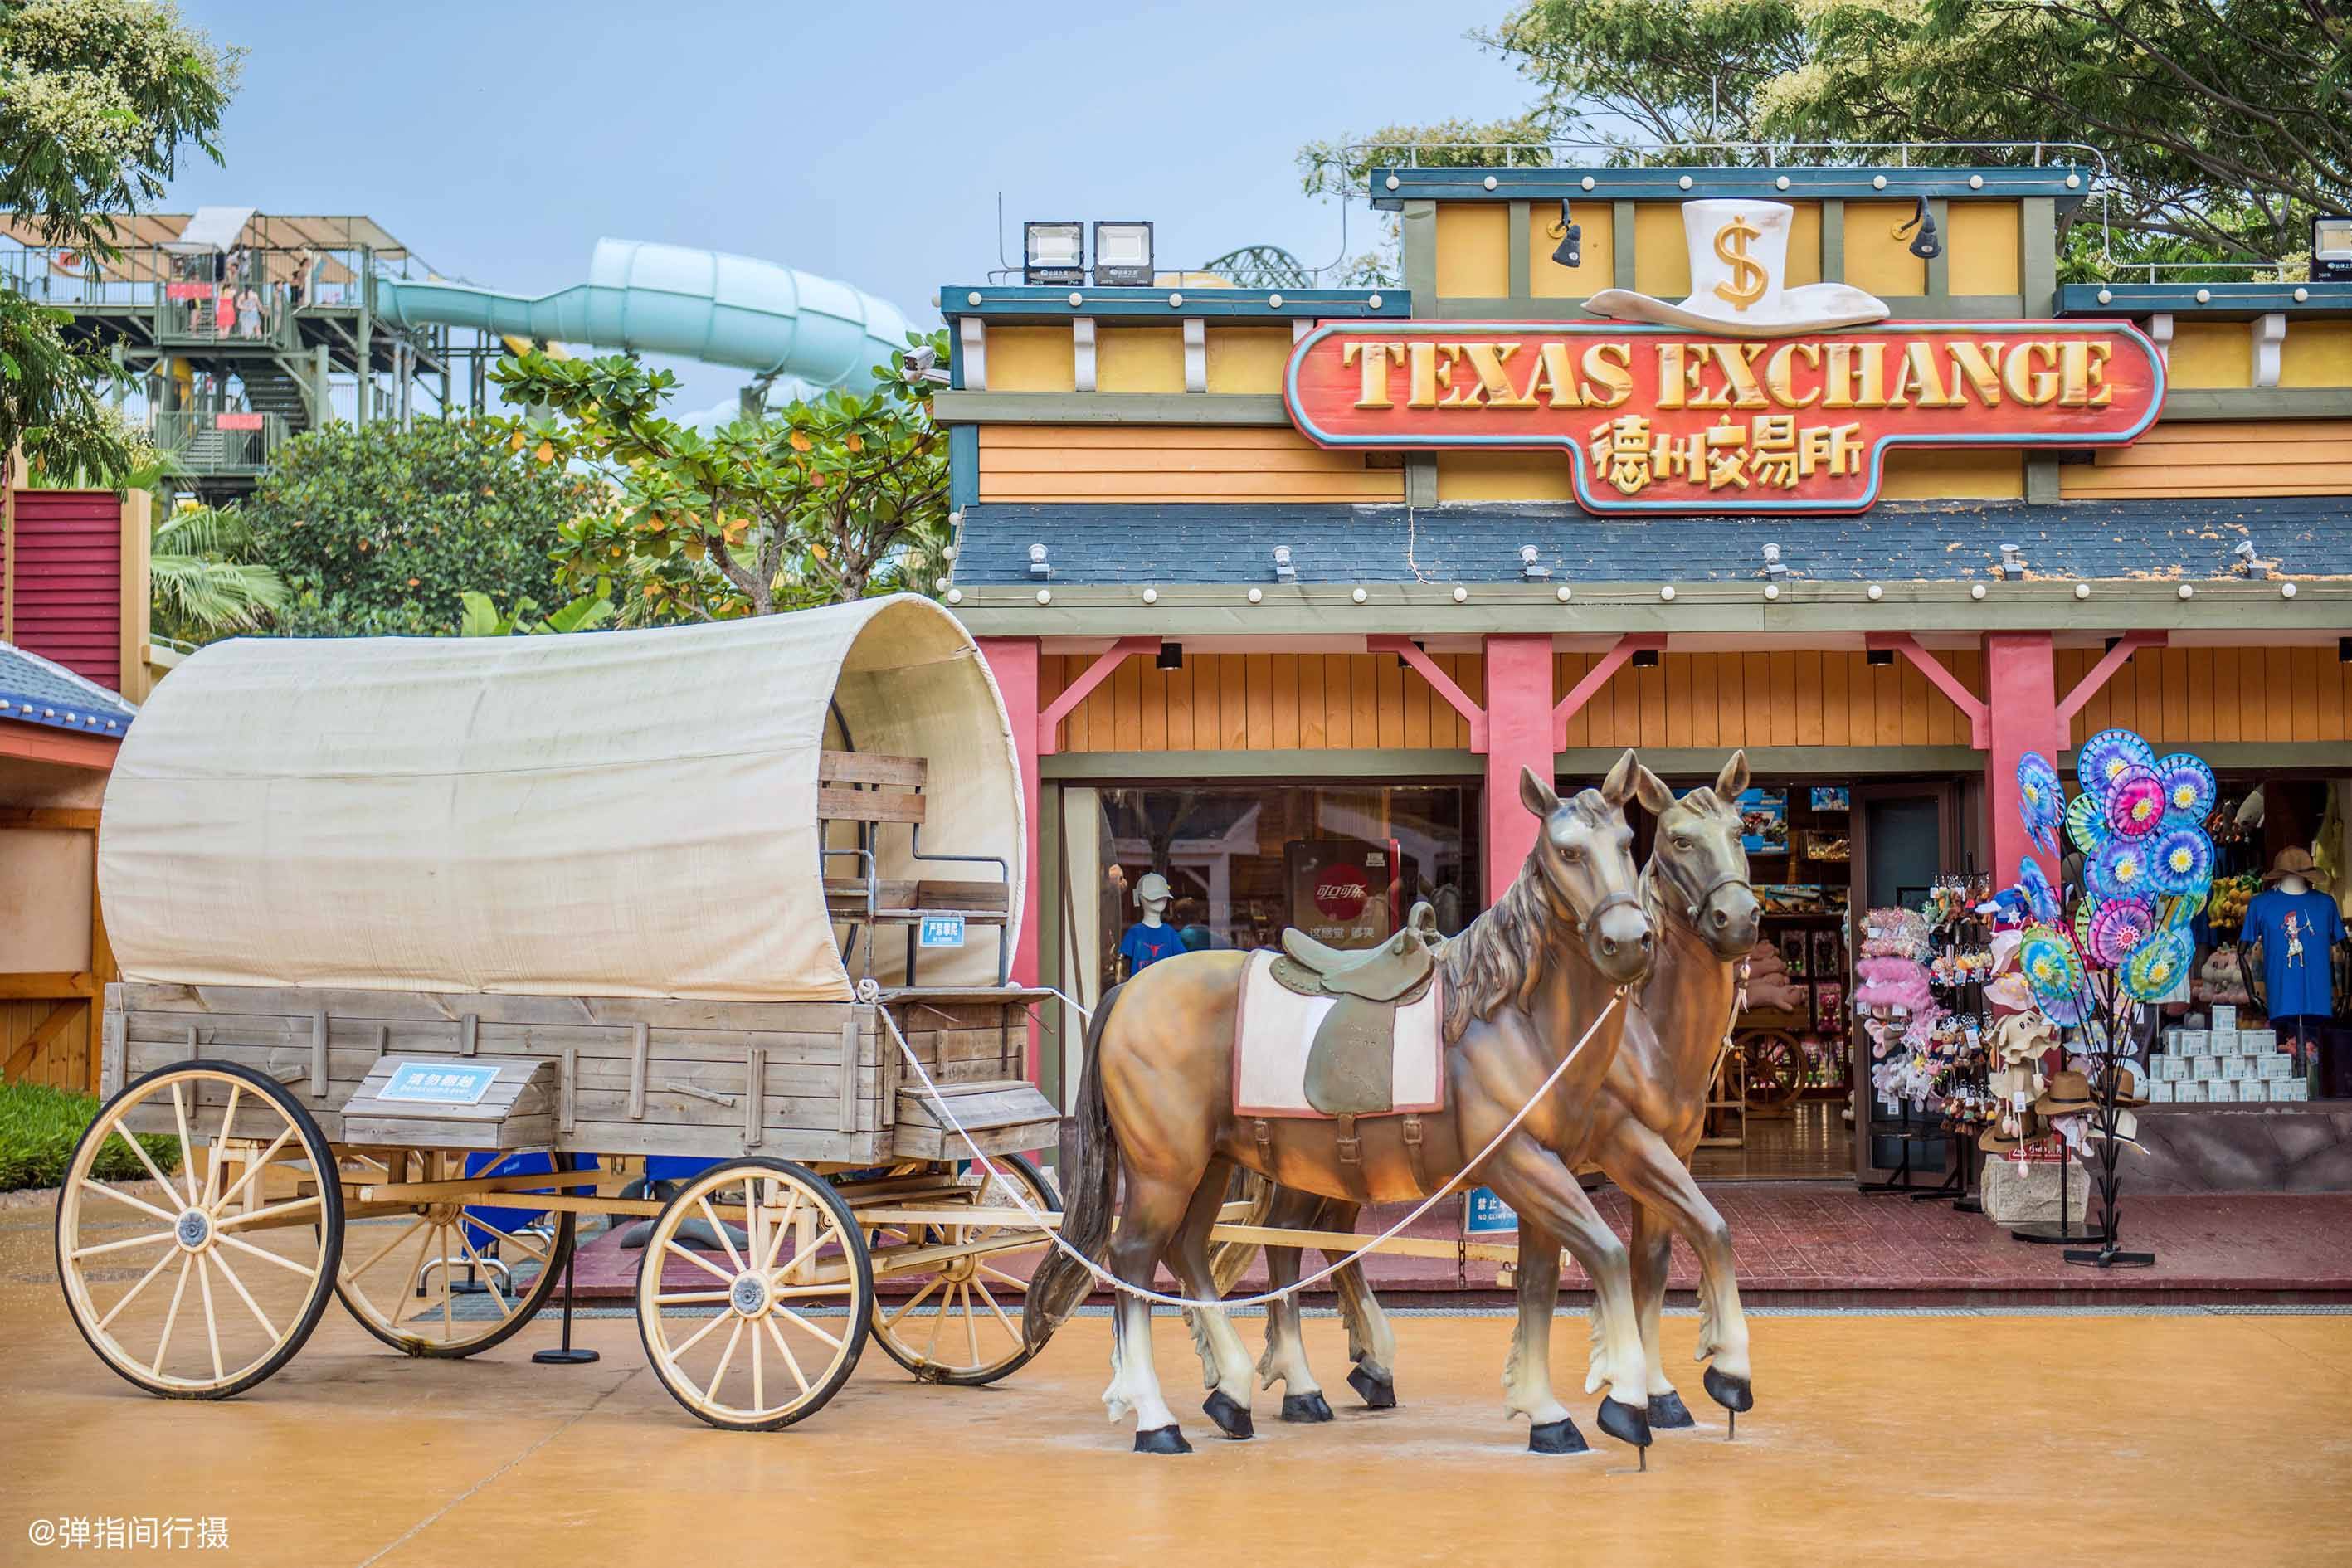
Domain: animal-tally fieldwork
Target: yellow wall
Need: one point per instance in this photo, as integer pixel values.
(1474, 252)
(1875, 260)
(1030, 359)
(1917, 473)
(2211, 353)
(2316, 353)
(1136, 359)
(2222, 457)
(1980, 250)
(1505, 476)
(1804, 243)
(2180, 695)
(1172, 463)
(1661, 258)
(1547, 280)
(1248, 359)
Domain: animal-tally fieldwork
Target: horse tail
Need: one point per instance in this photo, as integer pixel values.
(1059, 1283)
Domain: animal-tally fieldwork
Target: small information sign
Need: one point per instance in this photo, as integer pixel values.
(942, 930)
(1484, 1214)
(440, 1082)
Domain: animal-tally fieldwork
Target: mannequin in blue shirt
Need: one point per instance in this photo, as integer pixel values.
(1150, 939)
(2296, 928)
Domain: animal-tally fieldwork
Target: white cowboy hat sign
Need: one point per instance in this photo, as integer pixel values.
(1739, 267)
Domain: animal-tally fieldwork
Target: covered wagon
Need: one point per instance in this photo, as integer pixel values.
(428, 945)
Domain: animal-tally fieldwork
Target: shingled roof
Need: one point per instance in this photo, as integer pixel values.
(35, 690)
(2305, 536)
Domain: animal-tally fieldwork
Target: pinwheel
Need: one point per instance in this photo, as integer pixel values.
(2135, 805)
(2119, 871)
(2083, 911)
(2106, 754)
(2189, 787)
(2118, 930)
(2052, 967)
(2160, 964)
(2180, 862)
(2085, 825)
(2041, 799)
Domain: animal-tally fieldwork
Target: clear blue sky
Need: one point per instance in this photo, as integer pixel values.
(500, 139)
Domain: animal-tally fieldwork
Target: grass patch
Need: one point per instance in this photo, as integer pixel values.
(39, 1127)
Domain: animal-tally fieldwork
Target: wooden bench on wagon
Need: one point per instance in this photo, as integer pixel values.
(877, 793)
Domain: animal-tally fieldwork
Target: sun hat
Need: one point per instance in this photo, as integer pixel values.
(2069, 1094)
(1738, 262)
(2296, 861)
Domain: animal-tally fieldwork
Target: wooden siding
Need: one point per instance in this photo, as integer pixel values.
(2185, 696)
(63, 1060)
(1172, 463)
(1284, 701)
(2241, 457)
(66, 571)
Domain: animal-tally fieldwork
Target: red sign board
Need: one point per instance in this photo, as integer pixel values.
(1663, 419)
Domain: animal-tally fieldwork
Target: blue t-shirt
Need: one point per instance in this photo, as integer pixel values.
(2295, 930)
(1145, 945)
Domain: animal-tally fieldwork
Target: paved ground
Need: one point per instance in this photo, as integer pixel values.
(2147, 1438)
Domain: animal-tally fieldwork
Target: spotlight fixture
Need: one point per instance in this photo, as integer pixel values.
(1925, 245)
(2331, 248)
(1773, 567)
(2253, 566)
(1283, 572)
(1570, 235)
(2012, 563)
(1054, 253)
(1038, 565)
(1171, 656)
(1645, 658)
(1122, 255)
(1879, 657)
(1531, 568)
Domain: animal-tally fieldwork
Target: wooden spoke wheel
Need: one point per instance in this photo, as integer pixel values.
(1776, 1069)
(961, 1320)
(760, 1334)
(200, 1283)
(431, 1279)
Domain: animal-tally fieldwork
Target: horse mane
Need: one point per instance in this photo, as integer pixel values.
(1492, 961)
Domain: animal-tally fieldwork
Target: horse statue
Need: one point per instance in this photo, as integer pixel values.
(1538, 976)
(1652, 1110)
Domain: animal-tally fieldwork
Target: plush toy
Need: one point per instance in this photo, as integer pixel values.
(1891, 982)
(2222, 979)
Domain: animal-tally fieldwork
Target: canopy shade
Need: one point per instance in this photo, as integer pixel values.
(622, 814)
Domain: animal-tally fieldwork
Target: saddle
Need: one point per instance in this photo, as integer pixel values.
(1350, 1067)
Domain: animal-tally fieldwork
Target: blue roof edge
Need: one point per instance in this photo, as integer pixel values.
(1389, 186)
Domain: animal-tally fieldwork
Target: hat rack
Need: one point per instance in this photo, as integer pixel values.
(1911, 1126)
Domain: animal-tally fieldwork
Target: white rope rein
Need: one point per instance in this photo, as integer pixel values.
(867, 991)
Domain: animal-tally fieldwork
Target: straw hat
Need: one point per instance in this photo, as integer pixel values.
(2069, 1094)
(2127, 1088)
(1992, 1141)
(1738, 267)
(2296, 861)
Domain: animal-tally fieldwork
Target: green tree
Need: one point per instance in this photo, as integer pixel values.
(208, 584)
(97, 98)
(379, 530)
(2224, 124)
(817, 503)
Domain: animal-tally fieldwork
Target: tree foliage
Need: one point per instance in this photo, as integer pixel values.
(821, 502)
(2224, 124)
(208, 580)
(97, 98)
(380, 530)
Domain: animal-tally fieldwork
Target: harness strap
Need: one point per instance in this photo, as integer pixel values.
(1264, 1137)
(1412, 1153)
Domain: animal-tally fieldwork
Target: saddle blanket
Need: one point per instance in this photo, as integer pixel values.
(1275, 1031)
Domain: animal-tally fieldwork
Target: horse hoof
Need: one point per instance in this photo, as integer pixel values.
(1624, 1423)
(1304, 1408)
(1231, 1418)
(1162, 1440)
(1669, 1413)
(1732, 1393)
(1559, 1437)
(1377, 1393)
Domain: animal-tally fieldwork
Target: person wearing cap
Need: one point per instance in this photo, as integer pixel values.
(1150, 939)
(2295, 926)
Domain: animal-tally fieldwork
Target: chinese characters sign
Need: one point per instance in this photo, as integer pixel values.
(1664, 419)
(440, 1082)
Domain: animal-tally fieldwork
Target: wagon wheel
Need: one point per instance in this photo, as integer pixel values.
(404, 1269)
(962, 1322)
(800, 1290)
(263, 1266)
(1776, 1069)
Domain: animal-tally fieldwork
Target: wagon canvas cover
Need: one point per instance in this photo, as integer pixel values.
(624, 814)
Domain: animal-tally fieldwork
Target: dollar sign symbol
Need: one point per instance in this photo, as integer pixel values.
(1748, 279)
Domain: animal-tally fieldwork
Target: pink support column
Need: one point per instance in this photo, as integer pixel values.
(2021, 703)
(1518, 734)
(1013, 662)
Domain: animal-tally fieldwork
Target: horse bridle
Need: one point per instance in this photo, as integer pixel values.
(1694, 906)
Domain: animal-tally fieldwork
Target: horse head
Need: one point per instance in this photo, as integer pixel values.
(1699, 863)
(1584, 857)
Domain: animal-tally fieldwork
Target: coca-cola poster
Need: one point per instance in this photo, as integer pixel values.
(1343, 890)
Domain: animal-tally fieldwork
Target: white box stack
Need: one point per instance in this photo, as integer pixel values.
(2196, 1042)
(2159, 1089)
(2225, 1016)
(2192, 1092)
(2254, 1088)
(2223, 1043)
(2169, 1069)
(2233, 1068)
(2273, 1066)
(2255, 1042)
(2290, 1088)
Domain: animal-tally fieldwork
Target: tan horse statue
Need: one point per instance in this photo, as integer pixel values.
(1524, 982)
(1653, 1107)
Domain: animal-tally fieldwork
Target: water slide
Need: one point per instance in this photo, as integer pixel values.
(698, 304)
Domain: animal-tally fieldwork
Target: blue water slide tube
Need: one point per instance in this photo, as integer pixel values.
(669, 300)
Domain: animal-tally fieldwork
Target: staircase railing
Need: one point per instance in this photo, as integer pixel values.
(204, 443)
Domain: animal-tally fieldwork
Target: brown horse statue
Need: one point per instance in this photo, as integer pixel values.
(1653, 1107)
(1524, 984)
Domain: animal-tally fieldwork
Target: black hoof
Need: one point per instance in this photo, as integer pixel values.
(1304, 1408)
(1232, 1418)
(1732, 1393)
(1377, 1393)
(1559, 1438)
(1669, 1413)
(1162, 1440)
(1624, 1423)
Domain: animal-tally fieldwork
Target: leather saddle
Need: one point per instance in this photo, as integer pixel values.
(1350, 1066)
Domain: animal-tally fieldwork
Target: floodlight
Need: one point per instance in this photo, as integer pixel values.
(1122, 255)
(1054, 253)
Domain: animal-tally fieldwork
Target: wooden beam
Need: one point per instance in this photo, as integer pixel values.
(48, 1029)
(1599, 675)
(1104, 666)
(1977, 713)
(39, 743)
(36, 986)
(1439, 683)
(2104, 671)
(82, 817)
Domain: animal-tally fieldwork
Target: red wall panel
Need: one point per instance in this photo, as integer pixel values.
(68, 570)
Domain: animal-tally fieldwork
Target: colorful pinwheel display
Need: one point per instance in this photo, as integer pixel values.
(2160, 965)
(2189, 789)
(2041, 799)
(2105, 755)
(2119, 871)
(2085, 825)
(2181, 864)
(2117, 929)
(2051, 966)
(2041, 898)
(2135, 805)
